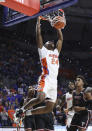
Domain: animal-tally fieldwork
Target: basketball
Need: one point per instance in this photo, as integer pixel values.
(58, 22)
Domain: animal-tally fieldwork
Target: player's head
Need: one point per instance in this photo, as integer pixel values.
(80, 81)
(31, 91)
(88, 93)
(88, 90)
(50, 45)
(71, 86)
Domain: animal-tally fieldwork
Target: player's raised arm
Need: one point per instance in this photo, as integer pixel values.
(60, 40)
(39, 39)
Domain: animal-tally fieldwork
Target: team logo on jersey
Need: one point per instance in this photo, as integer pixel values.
(83, 123)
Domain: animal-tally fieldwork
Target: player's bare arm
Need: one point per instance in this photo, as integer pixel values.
(88, 97)
(62, 104)
(62, 101)
(38, 34)
(60, 40)
(78, 108)
(88, 93)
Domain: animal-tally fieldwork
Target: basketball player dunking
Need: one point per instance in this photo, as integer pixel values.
(47, 84)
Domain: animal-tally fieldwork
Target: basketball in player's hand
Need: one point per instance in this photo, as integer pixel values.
(66, 111)
(59, 22)
(42, 18)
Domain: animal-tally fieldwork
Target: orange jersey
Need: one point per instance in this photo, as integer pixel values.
(11, 113)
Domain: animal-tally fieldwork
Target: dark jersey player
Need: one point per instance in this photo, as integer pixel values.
(41, 122)
(29, 120)
(81, 117)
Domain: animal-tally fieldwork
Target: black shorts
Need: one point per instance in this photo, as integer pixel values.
(81, 120)
(44, 121)
(29, 122)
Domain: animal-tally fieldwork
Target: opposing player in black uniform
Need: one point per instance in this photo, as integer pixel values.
(44, 122)
(41, 122)
(29, 120)
(81, 117)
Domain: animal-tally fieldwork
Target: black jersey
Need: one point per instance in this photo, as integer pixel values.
(78, 100)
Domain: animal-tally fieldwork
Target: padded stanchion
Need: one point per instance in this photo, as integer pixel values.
(27, 7)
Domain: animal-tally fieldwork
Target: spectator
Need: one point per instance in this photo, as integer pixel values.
(4, 118)
(11, 112)
(1, 107)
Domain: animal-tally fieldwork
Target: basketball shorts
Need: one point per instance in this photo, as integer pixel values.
(68, 121)
(29, 122)
(69, 118)
(44, 121)
(49, 87)
(81, 120)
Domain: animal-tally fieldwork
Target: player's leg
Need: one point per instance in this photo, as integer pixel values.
(49, 122)
(29, 123)
(49, 91)
(20, 112)
(68, 121)
(72, 128)
(40, 123)
(42, 109)
(40, 97)
(84, 121)
(28, 129)
(74, 123)
(44, 92)
(51, 95)
(82, 129)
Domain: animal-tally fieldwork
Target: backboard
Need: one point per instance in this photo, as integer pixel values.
(12, 17)
(49, 3)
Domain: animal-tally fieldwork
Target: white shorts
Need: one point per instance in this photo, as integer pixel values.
(49, 87)
(69, 118)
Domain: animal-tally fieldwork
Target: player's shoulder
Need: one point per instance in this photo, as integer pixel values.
(42, 51)
(67, 93)
(56, 50)
(74, 92)
(43, 47)
(88, 89)
(82, 92)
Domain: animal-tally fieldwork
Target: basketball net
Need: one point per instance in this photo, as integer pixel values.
(56, 18)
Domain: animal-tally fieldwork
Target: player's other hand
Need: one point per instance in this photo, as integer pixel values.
(20, 113)
(77, 108)
(66, 111)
